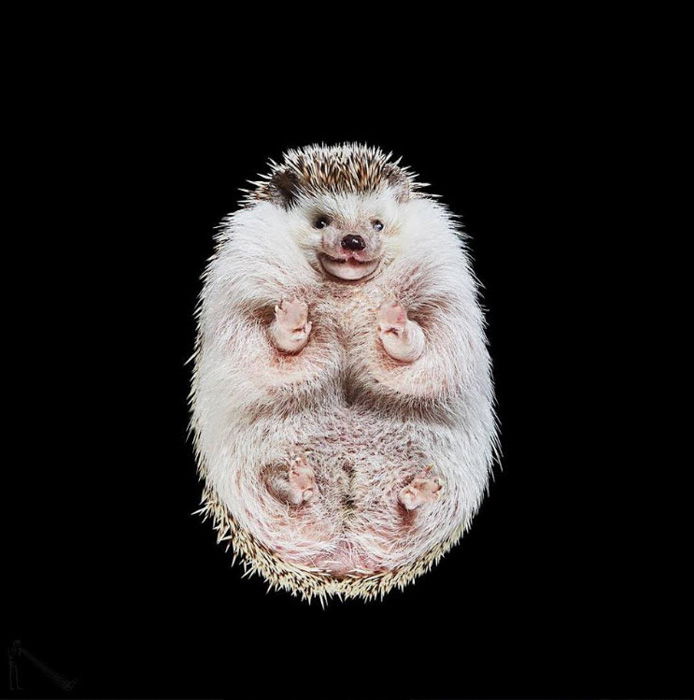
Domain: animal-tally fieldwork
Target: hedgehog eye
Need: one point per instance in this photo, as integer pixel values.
(377, 225)
(321, 222)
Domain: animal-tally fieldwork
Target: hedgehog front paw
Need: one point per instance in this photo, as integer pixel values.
(402, 338)
(291, 327)
(422, 489)
(392, 318)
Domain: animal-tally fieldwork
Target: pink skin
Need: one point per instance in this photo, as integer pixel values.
(290, 328)
(402, 338)
(420, 490)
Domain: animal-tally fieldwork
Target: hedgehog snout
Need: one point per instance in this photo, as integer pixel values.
(353, 242)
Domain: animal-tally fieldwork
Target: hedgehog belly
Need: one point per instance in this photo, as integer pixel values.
(354, 523)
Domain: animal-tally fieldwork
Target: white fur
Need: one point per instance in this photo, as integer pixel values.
(367, 423)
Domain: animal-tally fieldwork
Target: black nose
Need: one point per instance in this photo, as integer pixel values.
(353, 242)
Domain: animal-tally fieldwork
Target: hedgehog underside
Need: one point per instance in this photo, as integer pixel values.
(309, 583)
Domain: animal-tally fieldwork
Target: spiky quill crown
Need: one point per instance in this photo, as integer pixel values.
(345, 168)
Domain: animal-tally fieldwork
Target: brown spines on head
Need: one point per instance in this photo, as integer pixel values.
(316, 170)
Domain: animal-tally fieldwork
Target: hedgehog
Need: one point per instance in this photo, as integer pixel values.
(342, 402)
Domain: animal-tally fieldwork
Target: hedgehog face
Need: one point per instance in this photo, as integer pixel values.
(349, 236)
(344, 204)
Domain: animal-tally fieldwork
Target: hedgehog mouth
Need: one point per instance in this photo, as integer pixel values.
(347, 268)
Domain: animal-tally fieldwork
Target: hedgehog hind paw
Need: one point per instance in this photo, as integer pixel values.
(297, 485)
(423, 489)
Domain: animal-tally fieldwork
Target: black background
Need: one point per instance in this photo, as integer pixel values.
(562, 587)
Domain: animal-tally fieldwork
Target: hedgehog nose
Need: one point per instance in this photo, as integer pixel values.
(353, 242)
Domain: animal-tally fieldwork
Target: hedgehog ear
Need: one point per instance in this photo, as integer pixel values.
(284, 187)
(400, 185)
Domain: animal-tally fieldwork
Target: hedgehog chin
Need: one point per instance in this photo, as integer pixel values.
(349, 270)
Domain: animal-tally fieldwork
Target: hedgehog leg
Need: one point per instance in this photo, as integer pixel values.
(422, 489)
(294, 482)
